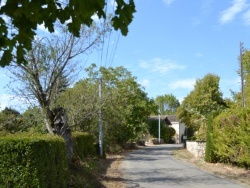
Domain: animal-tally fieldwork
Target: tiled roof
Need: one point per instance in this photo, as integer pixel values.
(167, 118)
(172, 118)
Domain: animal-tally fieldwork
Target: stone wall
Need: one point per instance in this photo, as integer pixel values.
(197, 148)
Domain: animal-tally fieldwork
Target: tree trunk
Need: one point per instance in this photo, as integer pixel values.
(61, 127)
(57, 123)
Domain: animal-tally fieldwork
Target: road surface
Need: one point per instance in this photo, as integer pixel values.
(154, 167)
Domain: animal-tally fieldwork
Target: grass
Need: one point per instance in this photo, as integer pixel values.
(86, 173)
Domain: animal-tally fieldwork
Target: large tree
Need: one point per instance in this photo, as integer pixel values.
(50, 65)
(205, 99)
(167, 103)
(19, 21)
(124, 104)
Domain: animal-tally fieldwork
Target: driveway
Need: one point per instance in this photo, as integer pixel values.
(154, 167)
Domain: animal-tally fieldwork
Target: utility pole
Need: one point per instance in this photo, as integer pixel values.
(159, 126)
(242, 76)
(100, 119)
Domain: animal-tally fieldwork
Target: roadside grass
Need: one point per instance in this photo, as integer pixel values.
(87, 173)
(96, 172)
(235, 173)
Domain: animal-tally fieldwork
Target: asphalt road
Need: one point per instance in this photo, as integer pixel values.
(154, 167)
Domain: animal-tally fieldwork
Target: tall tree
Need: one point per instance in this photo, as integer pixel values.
(19, 20)
(201, 102)
(125, 105)
(11, 121)
(167, 103)
(50, 65)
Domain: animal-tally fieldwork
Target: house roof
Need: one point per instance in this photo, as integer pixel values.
(162, 117)
(172, 118)
(167, 118)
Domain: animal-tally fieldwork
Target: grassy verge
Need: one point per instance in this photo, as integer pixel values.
(238, 174)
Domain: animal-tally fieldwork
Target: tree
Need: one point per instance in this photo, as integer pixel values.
(124, 104)
(167, 103)
(50, 65)
(33, 119)
(11, 121)
(201, 102)
(18, 26)
(166, 132)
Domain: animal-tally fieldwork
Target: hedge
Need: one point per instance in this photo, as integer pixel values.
(231, 137)
(83, 145)
(33, 161)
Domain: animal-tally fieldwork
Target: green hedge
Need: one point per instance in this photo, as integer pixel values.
(231, 137)
(83, 145)
(33, 161)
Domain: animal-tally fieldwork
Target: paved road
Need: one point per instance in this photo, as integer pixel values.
(154, 167)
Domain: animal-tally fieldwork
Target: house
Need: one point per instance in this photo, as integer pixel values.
(174, 122)
(178, 126)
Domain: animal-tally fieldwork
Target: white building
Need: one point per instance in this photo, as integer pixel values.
(173, 121)
(178, 126)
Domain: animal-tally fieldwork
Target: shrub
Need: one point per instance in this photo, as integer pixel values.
(232, 137)
(83, 145)
(166, 132)
(209, 153)
(33, 161)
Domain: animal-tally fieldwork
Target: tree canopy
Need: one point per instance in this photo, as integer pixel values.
(201, 102)
(124, 104)
(19, 21)
(167, 103)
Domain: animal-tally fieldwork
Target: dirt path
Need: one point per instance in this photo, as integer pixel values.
(113, 177)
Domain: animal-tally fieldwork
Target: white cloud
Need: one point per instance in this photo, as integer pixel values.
(160, 65)
(2, 3)
(7, 100)
(95, 18)
(246, 17)
(185, 84)
(230, 13)
(42, 28)
(144, 83)
(168, 2)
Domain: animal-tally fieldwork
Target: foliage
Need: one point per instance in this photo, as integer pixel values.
(209, 153)
(33, 119)
(82, 104)
(17, 25)
(167, 103)
(83, 145)
(231, 137)
(51, 67)
(202, 101)
(33, 161)
(167, 133)
(11, 121)
(125, 106)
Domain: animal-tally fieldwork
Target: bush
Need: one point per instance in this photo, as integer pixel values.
(209, 153)
(167, 133)
(83, 145)
(33, 161)
(232, 137)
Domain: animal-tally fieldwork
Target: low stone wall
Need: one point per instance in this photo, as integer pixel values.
(197, 148)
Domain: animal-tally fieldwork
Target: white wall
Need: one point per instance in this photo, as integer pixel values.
(179, 129)
(196, 148)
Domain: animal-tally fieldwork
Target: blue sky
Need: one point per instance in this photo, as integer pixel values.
(171, 43)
